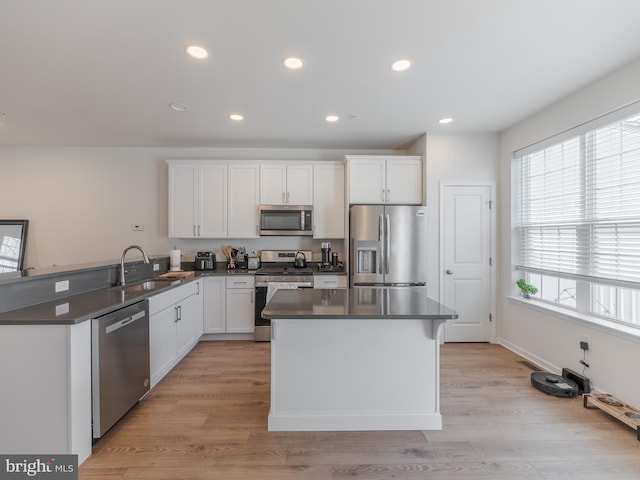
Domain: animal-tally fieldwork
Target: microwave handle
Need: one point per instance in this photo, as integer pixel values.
(302, 220)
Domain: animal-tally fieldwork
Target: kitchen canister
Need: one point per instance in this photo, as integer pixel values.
(175, 260)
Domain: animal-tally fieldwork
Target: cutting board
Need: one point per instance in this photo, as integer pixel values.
(177, 275)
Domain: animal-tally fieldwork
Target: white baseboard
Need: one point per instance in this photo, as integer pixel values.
(283, 422)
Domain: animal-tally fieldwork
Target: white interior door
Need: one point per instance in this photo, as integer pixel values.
(466, 257)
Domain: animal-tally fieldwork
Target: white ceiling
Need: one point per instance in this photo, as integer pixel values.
(104, 72)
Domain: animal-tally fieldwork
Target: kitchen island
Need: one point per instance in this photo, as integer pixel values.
(355, 359)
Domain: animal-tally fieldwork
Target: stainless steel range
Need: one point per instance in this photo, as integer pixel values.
(277, 272)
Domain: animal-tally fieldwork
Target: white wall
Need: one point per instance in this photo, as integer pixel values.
(461, 158)
(82, 201)
(551, 340)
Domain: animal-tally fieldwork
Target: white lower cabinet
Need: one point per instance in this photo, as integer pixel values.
(240, 300)
(175, 326)
(229, 304)
(214, 306)
(330, 281)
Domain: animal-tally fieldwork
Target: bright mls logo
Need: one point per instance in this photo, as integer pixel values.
(51, 467)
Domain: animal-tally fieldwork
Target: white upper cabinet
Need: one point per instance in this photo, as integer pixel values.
(183, 201)
(404, 181)
(213, 201)
(328, 201)
(367, 180)
(385, 179)
(197, 200)
(286, 184)
(244, 200)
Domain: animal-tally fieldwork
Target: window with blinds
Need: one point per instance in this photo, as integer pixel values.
(577, 217)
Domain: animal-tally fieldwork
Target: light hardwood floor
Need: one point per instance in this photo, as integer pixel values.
(208, 420)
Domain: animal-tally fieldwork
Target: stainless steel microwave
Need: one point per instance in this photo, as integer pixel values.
(286, 220)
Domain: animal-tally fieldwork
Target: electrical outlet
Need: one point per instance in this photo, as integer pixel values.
(62, 286)
(584, 345)
(156, 267)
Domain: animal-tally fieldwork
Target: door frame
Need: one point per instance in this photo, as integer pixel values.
(492, 230)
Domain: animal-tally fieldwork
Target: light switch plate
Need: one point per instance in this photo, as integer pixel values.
(62, 286)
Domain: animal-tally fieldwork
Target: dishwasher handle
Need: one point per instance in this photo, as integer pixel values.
(124, 322)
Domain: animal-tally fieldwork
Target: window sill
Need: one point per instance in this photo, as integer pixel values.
(611, 328)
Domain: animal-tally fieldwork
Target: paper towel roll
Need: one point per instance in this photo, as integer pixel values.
(175, 260)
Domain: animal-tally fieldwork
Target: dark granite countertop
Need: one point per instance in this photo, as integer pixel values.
(84, 306)
(78, 308)
(356, 303)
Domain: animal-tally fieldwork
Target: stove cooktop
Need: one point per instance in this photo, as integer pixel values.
(283, 270)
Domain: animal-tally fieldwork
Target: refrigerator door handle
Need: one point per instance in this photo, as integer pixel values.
(387, 242)
(381, 243)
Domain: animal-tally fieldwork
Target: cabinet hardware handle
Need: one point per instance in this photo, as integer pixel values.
(177, 315)
(388, 195)
(449, 272)
(382, 194)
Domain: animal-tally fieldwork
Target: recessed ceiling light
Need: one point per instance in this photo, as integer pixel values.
(445, 120)
(331, 118)
(179, 107)
(293, 63)
(196, 52)
(236, 117)
(401, 65)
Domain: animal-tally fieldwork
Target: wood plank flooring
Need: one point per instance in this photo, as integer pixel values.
(208, 420)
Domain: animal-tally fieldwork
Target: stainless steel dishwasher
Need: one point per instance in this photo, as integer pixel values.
(119, 363)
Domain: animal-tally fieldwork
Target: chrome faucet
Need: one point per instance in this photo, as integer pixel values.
(122, 271)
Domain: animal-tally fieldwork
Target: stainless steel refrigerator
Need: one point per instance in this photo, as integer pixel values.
(387, 245)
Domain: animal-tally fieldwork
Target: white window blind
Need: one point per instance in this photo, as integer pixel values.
(578, 205)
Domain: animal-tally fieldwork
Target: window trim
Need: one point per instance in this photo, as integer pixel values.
(621, 327)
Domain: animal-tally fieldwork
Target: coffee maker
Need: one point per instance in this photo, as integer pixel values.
(329, 262)
(326, 253)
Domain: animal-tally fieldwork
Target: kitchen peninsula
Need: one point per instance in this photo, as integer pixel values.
(356, 359)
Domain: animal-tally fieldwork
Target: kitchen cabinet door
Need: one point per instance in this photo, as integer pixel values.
(286, 184)
(367, 180)
(300, 184)
(328, 201)
(186, 326)
(244, 200)
(214, 305)
(240, 300)
(393, 180)
(199, 307)
(197, 200)
(273, 184)
(162, 343)
(174, 327)
(404, 181)
(240, 310)
(183, 200)
(212, 200)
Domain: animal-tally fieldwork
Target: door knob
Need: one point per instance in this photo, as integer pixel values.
(449, 272)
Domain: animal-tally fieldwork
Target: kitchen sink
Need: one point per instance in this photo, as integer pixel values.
(144, 287)
(150, 285)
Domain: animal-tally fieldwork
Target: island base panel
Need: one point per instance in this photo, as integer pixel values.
(342, 374)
